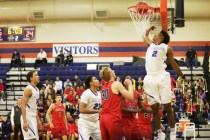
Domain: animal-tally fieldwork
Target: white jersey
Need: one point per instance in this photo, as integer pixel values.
(155, 58)
(31, 107)
(93, 101)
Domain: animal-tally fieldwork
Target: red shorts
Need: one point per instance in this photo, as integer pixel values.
(111, 127)
(58, 131)
(130, 129)
(146, 131)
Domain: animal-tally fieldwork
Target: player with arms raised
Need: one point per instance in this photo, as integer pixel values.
(111, 95)
(157, 81)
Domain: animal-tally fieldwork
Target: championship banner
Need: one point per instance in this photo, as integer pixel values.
(76, 49)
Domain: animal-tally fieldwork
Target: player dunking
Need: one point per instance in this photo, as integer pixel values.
(157, 81)
(29, 116)
(58, 124)
(112, 93)
(90, 106)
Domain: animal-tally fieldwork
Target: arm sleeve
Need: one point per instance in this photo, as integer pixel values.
(84, 98)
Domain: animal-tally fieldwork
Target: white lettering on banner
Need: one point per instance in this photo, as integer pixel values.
(76, 49)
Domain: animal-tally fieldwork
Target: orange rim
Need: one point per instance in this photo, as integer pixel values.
(143, 7)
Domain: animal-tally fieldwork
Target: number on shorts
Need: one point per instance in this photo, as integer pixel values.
(105, 94)
(154, 54)
(97, 106)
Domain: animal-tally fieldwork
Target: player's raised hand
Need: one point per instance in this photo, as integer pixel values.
(51, 125)
(152, 28)
(127, 82)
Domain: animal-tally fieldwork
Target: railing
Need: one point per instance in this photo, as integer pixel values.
(205, 67)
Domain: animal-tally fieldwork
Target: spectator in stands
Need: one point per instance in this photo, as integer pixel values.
(118, 79)
(1, 89)
(42, 92)
(69, 59)
(6, 127)
(67, 91)
(70, 108)
(80, 90)
(15, 119)
(60, 59)
(191, 58)
(46, 84)
(15, 60)
(68, 82)
(59, 85)
(173, 83)
(202, 95)
(41, 108)
(140, 81)
(77, 81)
(140, 90)
(41, 58)
(49, 80)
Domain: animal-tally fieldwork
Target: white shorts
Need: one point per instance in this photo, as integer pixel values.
(87, 129)
(32, 132)
(158, 88)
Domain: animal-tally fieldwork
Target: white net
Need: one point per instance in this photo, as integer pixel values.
(141, 19)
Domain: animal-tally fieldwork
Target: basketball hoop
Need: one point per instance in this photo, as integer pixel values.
(141, 16)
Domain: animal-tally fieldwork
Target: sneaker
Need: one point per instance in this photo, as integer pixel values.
(161, 136)
(173, 135)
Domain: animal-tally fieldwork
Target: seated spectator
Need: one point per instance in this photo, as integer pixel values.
(80, 91)
(67, 91)
(15, 60)
(140, 81)
(41, 107)
(191, 58)
(1, 89)
(69, 59)
(78, 81)
(202, 95)
(41, 58)
(46, 84)
(6, 127)
(59, 60)
(50, 80)
(68, 82)
(140, 90)
(59, 85)
(42, 92)
(70, 108)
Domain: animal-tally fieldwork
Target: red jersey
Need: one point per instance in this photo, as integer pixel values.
(58, 114)
(145, 118)
(111, 103)
(130, 104)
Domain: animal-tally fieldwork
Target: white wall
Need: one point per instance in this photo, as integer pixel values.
(107, 31)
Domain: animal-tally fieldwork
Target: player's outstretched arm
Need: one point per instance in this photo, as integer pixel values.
(26, 95)
(146, 38)
(118, 87)
(173, 63)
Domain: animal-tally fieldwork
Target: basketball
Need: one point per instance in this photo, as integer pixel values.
(141, 10)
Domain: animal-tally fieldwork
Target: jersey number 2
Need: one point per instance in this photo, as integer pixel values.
(154, 54)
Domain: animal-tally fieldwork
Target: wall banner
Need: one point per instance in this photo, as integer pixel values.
(76, 49)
